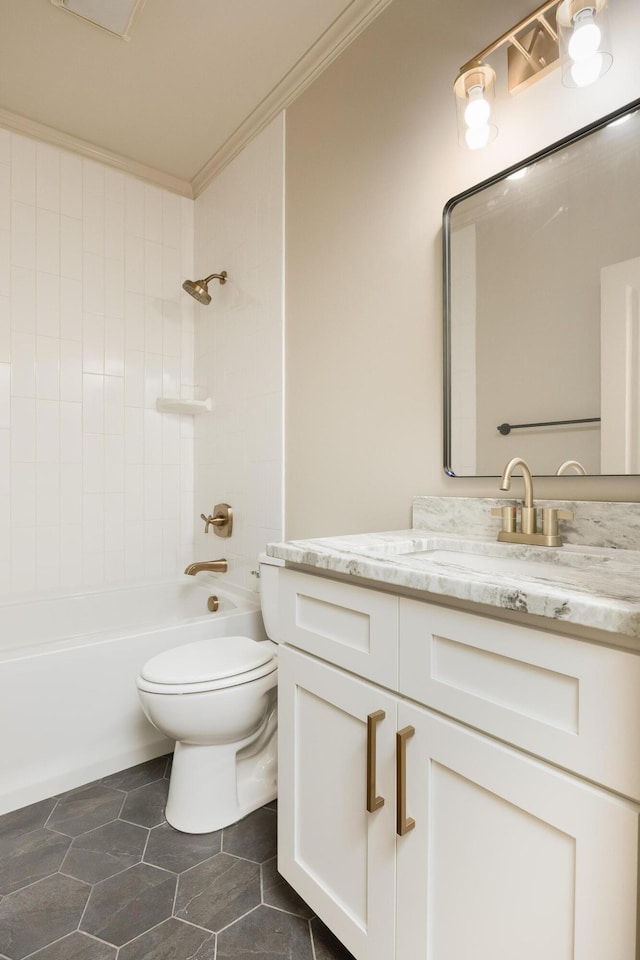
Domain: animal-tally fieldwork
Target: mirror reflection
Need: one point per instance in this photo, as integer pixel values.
(542, 311)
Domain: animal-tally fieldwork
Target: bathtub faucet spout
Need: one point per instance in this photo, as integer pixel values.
(214, 566)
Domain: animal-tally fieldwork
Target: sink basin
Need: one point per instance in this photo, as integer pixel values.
(483, 563)
(491, 558)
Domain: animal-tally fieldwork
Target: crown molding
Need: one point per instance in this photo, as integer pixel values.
(343, 31)
(40, 131)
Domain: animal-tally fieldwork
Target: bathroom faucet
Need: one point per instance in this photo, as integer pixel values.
(571, 465)
(528, 532)
(528, 514)
(214, 566)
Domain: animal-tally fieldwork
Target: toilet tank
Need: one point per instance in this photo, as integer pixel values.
(269, 573)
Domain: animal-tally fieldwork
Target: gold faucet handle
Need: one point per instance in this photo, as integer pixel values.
(509, 517)
(550, 517)
(221, 520)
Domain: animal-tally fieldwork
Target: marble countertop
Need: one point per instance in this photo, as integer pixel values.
(596, 587)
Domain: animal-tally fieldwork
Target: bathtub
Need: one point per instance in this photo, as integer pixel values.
(69, 710)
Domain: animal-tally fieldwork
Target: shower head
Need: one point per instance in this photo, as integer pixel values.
(199, 289)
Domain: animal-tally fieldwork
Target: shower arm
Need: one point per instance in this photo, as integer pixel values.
(222, 277)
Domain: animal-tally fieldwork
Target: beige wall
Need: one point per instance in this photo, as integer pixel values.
(371, 159)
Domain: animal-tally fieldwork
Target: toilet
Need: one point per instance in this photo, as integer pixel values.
(217, 699)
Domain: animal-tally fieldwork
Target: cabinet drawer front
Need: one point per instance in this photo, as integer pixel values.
(350, 626)
(566, 700)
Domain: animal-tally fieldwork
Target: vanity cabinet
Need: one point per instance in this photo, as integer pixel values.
(339, 857)
(474, 848)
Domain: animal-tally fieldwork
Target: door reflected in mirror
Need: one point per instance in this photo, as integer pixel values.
(542, 310)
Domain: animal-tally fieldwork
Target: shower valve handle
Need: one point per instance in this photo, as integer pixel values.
(221, 520)
(216, 521)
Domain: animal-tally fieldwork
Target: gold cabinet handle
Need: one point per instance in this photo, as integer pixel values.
(373, 802)
(403, 823)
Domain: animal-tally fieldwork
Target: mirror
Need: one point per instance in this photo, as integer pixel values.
(542, 310)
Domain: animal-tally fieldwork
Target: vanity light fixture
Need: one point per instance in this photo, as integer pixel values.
(583, 35)
(475, 95)
(572, 33)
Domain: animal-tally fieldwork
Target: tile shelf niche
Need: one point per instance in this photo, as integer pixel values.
(189, 408)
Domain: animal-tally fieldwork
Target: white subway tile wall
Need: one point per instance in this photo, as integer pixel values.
(95, 484)
(239, 348)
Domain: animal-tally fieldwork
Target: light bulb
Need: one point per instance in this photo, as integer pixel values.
(478, 137)
(586, 37)
(478, 110)
(584, 72)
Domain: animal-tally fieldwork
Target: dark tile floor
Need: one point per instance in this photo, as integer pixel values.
(98, 874)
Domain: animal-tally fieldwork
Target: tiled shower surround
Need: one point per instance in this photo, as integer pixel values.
(98, 874)
(95, 484)
(239, 223)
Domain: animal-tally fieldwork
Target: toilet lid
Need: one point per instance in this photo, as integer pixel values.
(205, 660)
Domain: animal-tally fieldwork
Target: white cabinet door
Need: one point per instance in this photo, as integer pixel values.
(338, 856)
(509, 857)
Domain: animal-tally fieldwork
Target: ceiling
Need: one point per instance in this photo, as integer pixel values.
(196, 80)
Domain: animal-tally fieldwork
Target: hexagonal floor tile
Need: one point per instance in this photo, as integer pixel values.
(105, 851)
(218, 891)
(77, 946)
(145, 805)
(139, 775)
(276, 892)
(177, 851)
(254, 838)
(325, 944)
(36, 916)
(129, 904)
(266, 933)
(172, 940)
(26, 819)
(25, 858)
(83, 810)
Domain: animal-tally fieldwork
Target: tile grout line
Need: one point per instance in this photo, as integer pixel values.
(241, 917)
(313, 942)
(242, 837)
(84, 910)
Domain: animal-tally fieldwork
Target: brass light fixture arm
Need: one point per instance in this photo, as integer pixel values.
(544, 23)
(509, 35)
(523, 50)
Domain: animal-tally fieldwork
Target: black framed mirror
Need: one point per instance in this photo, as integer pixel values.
(542, 310)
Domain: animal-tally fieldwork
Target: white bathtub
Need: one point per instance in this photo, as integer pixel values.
(69, 710)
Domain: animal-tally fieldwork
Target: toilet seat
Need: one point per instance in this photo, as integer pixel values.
(208, 665)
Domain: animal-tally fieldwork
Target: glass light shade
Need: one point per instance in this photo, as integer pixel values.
(583, 35)
(475, 98)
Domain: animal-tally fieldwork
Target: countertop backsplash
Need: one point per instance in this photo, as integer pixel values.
(595, 523)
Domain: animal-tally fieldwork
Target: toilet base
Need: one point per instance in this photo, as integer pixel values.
(212, 787)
